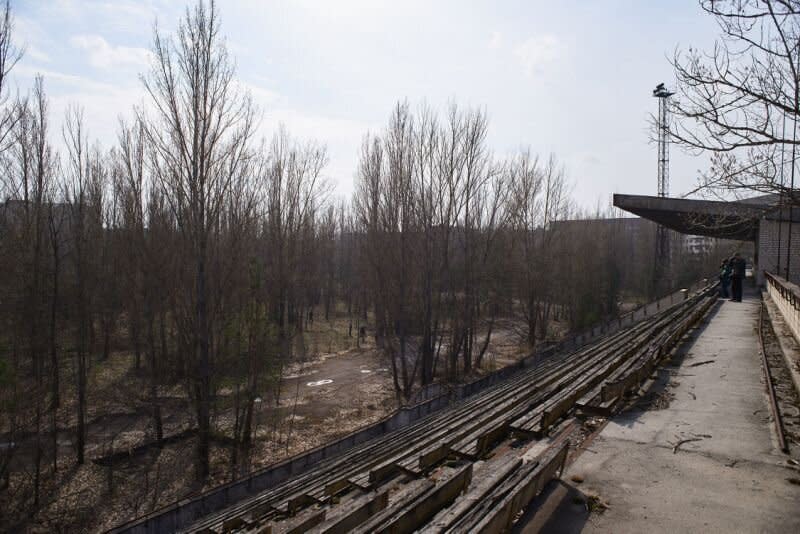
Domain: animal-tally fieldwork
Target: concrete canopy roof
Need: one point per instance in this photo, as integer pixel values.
(726, 220)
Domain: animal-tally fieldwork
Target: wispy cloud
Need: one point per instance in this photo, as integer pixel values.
(341, 136)
(117, 15)
(536, 52)
(36, 54)
(102, 54)
(332, 70)
(102, 102)
(496, 40)
(262, 96)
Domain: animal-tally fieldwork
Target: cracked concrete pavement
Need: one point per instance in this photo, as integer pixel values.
(727, 475)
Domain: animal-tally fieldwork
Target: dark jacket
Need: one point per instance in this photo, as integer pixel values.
(738, 267)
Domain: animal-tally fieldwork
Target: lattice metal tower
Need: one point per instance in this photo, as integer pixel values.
(663, 94)
(662, 260)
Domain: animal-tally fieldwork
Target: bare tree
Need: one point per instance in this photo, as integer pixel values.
(86, 174)
(736, 100)
(145, 257)
(538, 200)
(430, 201)
(199, 127)
(9, 56)
(31, 179)
(295, 189)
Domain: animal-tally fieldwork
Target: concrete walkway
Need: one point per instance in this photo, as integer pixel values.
(731, 478)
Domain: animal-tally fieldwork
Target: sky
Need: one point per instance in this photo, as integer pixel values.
(572, 77)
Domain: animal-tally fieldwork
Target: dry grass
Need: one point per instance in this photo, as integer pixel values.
(92, 497)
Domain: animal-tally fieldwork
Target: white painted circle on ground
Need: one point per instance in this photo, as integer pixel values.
(319, 382)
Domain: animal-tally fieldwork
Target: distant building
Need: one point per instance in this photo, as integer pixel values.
(774, 230)
(697, 244)
(639, 232)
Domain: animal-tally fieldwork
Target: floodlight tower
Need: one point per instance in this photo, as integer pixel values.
(663, 94)
(662, 261)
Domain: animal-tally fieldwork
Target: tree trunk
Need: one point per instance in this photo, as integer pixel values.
(107, 327)
(479, 359)
(203, 378)
(81, 355)
(55, 400)
(154, 404)
(81, 430)
(136, 339)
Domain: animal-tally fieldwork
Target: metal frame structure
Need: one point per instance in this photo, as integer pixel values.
(663, 94)
(662, 259)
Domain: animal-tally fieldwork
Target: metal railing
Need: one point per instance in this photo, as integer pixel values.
(786, 297)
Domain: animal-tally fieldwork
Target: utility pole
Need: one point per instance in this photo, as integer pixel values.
(662, 259)
(791, 200)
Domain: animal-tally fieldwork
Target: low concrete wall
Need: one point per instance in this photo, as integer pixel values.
(786, 297)
(183, 513)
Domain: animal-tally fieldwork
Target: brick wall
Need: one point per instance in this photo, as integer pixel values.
(768, 249)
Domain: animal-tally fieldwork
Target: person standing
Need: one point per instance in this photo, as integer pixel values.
(737, 266)
(725, 279)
